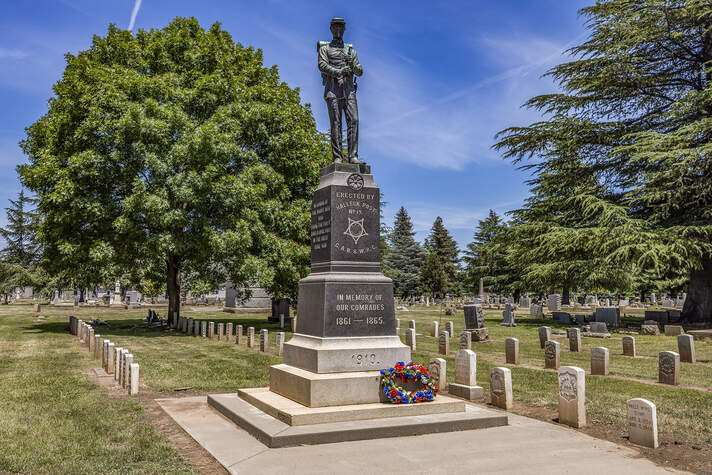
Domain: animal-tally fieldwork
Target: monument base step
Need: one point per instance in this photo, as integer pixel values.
(296, 414)
(275, 433)
(327, 389)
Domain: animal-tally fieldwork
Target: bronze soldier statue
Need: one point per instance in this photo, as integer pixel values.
(338, 64)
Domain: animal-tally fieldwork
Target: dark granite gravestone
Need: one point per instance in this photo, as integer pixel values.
(660, 316)
(674, 316)
(279, 306)
(611, 316)
(580, 318)
(562, 317)
(474, 316)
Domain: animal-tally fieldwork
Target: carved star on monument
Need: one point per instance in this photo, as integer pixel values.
(355, 229)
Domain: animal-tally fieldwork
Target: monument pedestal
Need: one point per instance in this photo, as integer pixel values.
(346, 331)
(329, 387)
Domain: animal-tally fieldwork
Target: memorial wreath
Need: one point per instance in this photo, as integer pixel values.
(402, 372)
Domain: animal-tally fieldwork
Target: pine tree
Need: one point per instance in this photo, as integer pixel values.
(633, 126)
(21, 232)
(483, 259)
(434, 279)
(405, 257)
(444, 247)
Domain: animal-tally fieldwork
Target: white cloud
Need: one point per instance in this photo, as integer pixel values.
(402, 120)
(137, 6)
(13, 53)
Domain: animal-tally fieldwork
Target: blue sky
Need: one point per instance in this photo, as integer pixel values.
(440, 79)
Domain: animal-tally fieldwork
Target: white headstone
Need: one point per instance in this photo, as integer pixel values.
(501, 388)
(511, 349)
(438, 372)
(410, 338)
(279, 343)
(642, 423)
(133, 379)
(264, 339)
(572, 396)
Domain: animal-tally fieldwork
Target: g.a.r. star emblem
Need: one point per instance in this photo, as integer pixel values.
(355, 229)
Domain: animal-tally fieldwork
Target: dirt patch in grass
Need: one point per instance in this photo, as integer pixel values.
(185, 445)
(673, 452)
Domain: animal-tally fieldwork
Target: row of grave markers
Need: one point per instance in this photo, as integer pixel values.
(224, 332)
(668, 361)
(642, 414)
(114, 360)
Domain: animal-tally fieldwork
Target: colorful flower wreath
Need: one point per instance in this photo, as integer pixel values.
(407, 372)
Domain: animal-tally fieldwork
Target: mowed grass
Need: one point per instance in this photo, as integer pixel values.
(56, 420)
(53, 419)
(172, 360)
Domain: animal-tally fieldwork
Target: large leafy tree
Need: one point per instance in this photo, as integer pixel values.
(635, 115)
(405, 256)
(175, 151)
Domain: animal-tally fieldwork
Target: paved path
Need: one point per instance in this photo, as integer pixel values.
(525, 446)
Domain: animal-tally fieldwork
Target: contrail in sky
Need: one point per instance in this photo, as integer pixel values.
(136, 7)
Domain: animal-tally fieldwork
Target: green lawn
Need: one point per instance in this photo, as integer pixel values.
(54, 419)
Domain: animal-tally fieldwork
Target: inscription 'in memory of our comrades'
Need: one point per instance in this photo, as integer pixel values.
(361, 309)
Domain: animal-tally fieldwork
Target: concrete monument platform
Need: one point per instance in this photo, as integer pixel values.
(274, 433)
(523, 446)
(296, 414)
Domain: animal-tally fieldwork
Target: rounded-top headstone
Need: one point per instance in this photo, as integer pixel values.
(642, 422)
(572, 396)
(466, 367)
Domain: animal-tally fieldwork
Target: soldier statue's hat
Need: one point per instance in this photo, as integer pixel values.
(337, 21)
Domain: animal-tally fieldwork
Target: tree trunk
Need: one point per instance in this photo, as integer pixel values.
(565, 295)
(517, 294)
(698, 305)
(173, 288)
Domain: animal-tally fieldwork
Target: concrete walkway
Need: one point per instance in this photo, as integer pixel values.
(525, 446)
